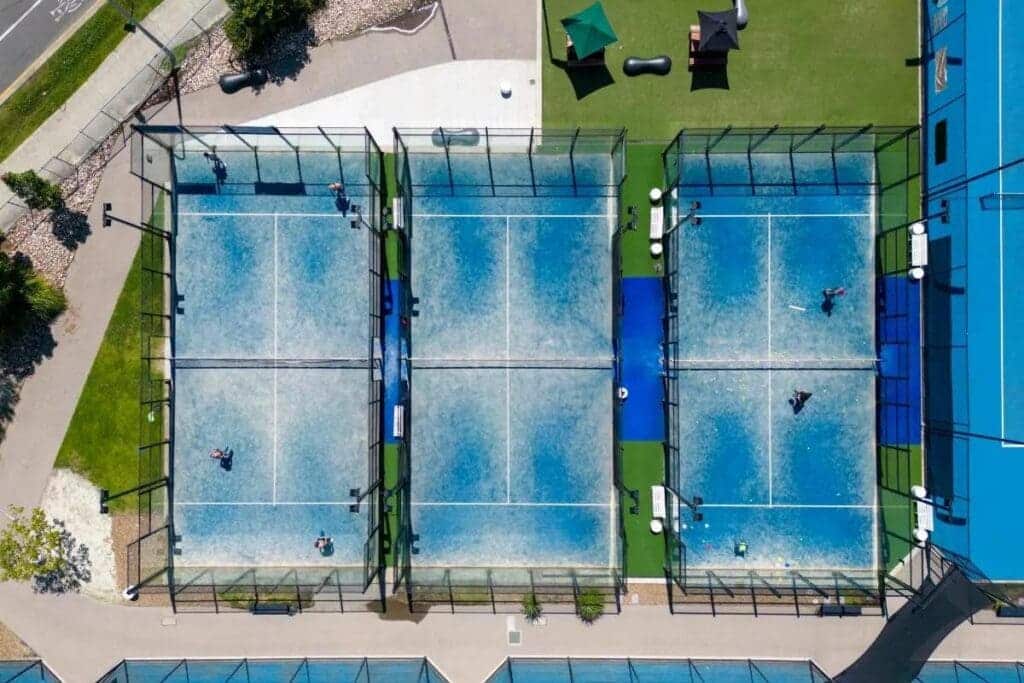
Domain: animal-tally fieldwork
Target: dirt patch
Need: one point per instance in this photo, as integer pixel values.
(12, 647)
(645, 594)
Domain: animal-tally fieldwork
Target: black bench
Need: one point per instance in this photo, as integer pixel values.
(659, 66)
(281, 608)
(831, 609)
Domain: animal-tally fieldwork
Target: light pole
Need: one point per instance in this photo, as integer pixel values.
(130, 26)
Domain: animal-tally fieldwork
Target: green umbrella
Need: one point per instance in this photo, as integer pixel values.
(590, 30)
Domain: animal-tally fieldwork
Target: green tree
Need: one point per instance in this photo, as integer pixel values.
(34, 548)
(29, 545)
(36, 192)
(25, 296)
(254, 24)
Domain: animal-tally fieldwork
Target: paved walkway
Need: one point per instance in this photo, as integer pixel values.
(81, 639)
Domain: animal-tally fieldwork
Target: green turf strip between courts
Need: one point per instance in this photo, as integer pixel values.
(391, 520)
(643, 466)
(899, 468)
(644, 170)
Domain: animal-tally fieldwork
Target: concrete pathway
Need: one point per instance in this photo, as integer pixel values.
(81, 639)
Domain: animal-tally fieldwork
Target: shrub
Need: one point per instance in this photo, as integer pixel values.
(590, 605)
(36, 192)
(25, 296)
(254, 24)
(532, 608)
(34, 548)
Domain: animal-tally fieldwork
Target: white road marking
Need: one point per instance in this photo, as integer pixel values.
(19, 20)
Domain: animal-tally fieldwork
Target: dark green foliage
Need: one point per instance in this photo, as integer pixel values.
(25, 296)
(36, 192)
(532, 608)
(589, 605)
(254, 24)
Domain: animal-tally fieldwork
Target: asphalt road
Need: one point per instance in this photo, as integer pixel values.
(29, 27)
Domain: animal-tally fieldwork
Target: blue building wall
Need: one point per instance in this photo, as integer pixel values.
(974, 63)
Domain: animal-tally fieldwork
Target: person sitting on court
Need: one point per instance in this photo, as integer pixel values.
(220, 169)
(324, 544)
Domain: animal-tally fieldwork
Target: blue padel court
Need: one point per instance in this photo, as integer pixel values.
(511, 365)
(271, 359)
(778, 484)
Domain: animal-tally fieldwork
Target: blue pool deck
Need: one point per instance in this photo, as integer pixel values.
(797, 488)
(511, 373)
(271, 349)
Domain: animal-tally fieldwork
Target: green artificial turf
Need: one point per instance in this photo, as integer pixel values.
(63, 73)
(643, 465)
(899, 469)
(102, 440)
(899, 200)
(390, 237)
(644, 170)
(801, 62)
(391, 520)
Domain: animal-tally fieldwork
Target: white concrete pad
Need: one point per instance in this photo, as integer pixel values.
(453, 94)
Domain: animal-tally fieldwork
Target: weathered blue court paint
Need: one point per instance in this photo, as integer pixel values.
(642, 360)
(565, 670)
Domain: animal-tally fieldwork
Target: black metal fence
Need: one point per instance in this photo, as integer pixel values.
(692, 166)
(532, 162)
(155, 152)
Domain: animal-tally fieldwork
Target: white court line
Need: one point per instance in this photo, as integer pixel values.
(275, 366)
(770, 399)
(507, 216)
(514, 505)
(796, 506)
(740, 361)
(1002, 303)
(508, 373)
(19, 20)
(335, 214)
(256, 503)
(769, 216)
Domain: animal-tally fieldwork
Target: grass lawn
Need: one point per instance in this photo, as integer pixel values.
(102, 441)
(643, 465)
(801, 62)
(62, 74)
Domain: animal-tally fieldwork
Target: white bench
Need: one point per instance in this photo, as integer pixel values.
(657, 223)
(658, 502)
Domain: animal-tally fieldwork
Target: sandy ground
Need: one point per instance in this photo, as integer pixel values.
(11, 646)
(75, 501)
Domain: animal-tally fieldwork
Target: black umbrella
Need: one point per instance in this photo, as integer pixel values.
(718, 31)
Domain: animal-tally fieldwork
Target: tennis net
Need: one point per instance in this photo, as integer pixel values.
(255, 363)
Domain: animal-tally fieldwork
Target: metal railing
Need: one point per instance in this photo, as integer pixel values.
(109, 130)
